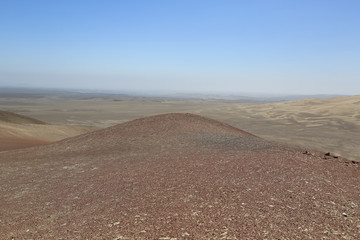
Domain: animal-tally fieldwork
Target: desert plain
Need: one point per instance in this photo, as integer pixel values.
(328, 125)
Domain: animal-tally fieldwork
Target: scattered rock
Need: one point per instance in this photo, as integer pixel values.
(353, 205)
(185, 234)
(265, 178)
(329, 156)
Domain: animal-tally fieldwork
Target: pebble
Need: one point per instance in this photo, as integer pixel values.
(344, 214)
(185, 234)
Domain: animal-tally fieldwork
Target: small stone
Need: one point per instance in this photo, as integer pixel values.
(185, 234)
(344, 214)
(224, 233)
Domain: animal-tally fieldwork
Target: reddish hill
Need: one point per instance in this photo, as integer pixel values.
(176, 176)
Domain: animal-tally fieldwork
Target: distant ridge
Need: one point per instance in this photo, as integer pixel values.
(176, 176)
(17, 118)
(18, 131)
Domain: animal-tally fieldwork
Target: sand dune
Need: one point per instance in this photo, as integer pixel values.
(176, 176)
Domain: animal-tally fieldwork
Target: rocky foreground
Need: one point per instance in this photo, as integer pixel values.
(176, 176)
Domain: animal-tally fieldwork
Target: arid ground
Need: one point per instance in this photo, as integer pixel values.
(176, 176)
(329, 125)
(17, 131)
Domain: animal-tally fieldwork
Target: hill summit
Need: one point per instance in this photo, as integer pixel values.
(176, 176)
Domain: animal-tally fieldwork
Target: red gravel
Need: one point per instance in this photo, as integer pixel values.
(176, 176)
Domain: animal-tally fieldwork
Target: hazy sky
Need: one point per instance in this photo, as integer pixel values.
(269, 46)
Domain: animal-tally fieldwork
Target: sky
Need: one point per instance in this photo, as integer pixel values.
(204, 46)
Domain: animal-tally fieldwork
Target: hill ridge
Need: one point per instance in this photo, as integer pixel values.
(11, 117)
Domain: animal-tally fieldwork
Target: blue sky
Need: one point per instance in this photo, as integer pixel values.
(269, 46)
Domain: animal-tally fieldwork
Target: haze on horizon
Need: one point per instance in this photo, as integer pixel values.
(275, 47)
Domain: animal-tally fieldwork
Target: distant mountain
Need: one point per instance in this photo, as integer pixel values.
(176, 176)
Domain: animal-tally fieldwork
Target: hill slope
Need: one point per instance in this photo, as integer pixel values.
(18, 131)
(326, 124)
(16, 118)
(176, 176)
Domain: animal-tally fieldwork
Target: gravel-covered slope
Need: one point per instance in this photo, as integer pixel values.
(176, 176)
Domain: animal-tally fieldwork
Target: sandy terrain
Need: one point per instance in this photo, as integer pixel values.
(13, 136)
(324, 124)
(176, 176)
(10, 117)
(18, 131)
